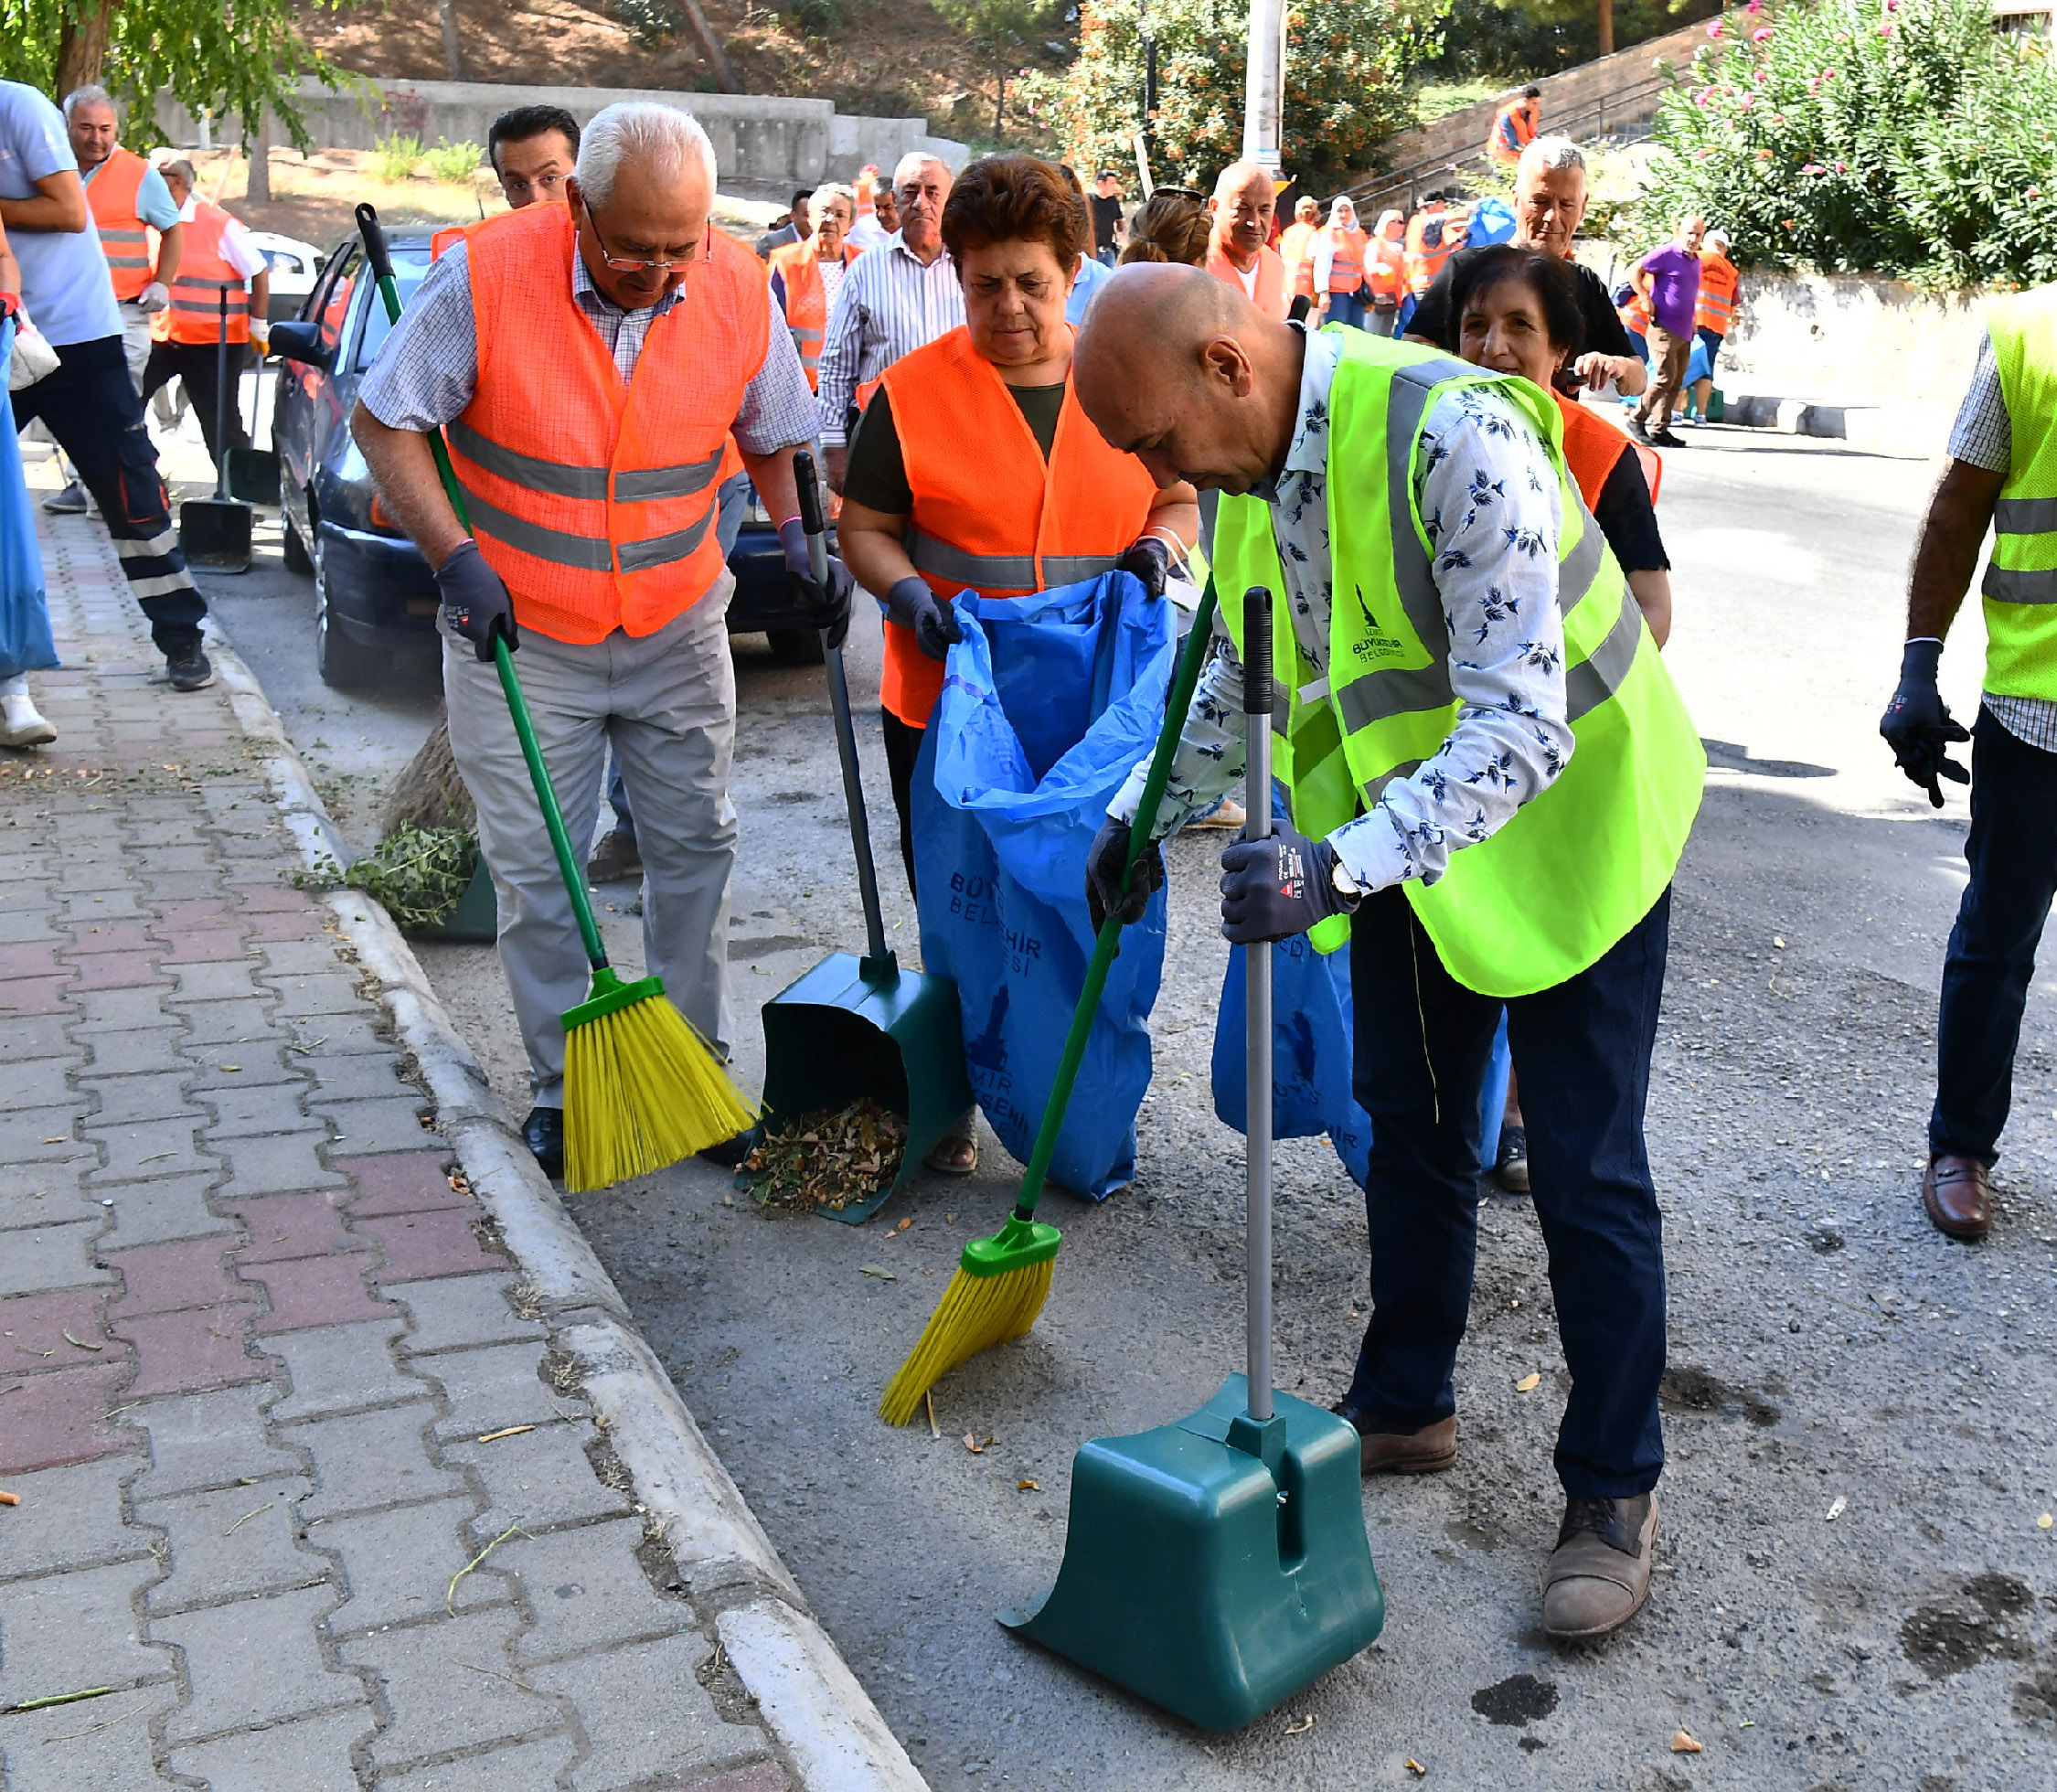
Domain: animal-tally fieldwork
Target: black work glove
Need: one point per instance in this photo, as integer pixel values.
(1150, 559)
(1917, 726)
(474, 602)
(1276, 888)
(914, 605)
(1106, 859)
(831, 606)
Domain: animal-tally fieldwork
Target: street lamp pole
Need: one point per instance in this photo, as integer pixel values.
(1262, 91)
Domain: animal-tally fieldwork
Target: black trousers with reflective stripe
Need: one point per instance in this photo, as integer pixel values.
(194, 363)
(91, 408)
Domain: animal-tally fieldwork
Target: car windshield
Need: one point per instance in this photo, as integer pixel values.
(410, 267)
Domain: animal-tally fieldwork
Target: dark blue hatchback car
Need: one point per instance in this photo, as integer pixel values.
(374, 597)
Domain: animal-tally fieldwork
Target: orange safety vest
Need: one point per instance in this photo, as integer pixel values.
(1513, 131)
(806, 301)
(1346, 257)
(1592, 446)
(990, 514)
(1636, 316)
(1422, 258)
(592, 499)
(1271, 297)
(1295, 249)
(1385, 270)
(193, 314)
(1719, 285)
(124, 238)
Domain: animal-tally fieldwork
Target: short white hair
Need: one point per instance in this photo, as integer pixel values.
(913, 162)
(1554, 154)
(661, 138)
(89, 95)
(826, 191)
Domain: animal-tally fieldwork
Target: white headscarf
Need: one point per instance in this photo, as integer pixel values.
(1343, 211)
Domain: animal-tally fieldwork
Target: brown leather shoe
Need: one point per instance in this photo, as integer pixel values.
(1957, 1192)
(1428, 1451)
(1599, 1574)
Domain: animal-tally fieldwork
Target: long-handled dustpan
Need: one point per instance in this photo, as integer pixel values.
(214, 533)
(1217, 1564)
(856, 1027)
(253, 472)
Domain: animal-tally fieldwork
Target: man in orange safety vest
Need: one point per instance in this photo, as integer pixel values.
(1516, 126)
(1239, 245)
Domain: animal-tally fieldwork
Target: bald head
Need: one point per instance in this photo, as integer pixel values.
(1181, 370)
(1244, 203)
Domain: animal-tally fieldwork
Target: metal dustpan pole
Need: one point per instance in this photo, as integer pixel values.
(1257, 706)
(221, 406)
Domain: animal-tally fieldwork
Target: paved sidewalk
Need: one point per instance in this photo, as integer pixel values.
(332, 1485)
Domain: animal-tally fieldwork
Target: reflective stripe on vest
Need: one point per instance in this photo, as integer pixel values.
(194, 315)
(1001, 572)
(1346, 259)
(2020, 583)
(125, 240)
(1715, 308)
(595, 499)
(806, 301)
(1550, 891)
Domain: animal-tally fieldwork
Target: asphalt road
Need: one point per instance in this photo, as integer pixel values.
(1853, 1588)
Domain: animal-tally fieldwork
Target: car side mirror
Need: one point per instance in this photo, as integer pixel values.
(299, 340)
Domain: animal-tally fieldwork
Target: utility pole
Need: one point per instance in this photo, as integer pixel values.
(1262, 100)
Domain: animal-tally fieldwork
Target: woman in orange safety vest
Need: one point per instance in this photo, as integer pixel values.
(807, 275)
(1296, 245)
(975, 470)
(1385, 274)
(1714, 316)
(1338, 265)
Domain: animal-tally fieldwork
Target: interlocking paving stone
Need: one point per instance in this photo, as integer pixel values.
(189, 1352)
(39, 995)
(45, 1081)
(32, 1328)
(240, 1066)
(124, 1100)
(102, 1747)
(148, 1212)
(355, 1457)
(61, 1417)
(398, 1566)
(23, 1205)
(201, 946)
(539, 1479)
(231, 1543)
(219, 980)
(312, 1756)
(148, 1150)
(354, 1076)
(117, 970)
(419, 1245)
(255, 1661)
(78, 1628)
(155, 1047)
(282, 1227)
(70, 1517)
(281, 1163)
(646, 1714)
(119, 1011)
(341, 1369)
(33, 1135)
(166, 1278)
(459, 1311)
(209, 1440)
(243, 1110)
(450, 1686)
(525, 1764)
(495, 1387)
(401, 1182)
(222, 1023)
(90, 937)
(314, 1291)
(51, 1256)
(391, 1123)
(587, 1590)
(331, 993)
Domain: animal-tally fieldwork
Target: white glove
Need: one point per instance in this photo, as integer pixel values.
(261, 336)
(154, 297)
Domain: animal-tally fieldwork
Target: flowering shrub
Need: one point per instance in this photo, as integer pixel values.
(1900, 137)
(1347, 63)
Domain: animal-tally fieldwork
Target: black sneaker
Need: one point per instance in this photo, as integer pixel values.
(543, 1133)
(1511, 1164)
(70, 502)
(190, 668)
(1636, 431)
(1665, 439)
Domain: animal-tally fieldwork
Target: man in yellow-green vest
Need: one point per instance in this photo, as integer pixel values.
(1491, 779)
(2002, 473)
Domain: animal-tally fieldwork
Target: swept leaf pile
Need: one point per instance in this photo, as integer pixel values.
(827, 1160)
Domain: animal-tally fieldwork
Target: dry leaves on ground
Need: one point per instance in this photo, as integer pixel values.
(825, 1161)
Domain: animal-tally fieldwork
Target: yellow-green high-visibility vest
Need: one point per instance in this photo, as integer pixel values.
(1582, 862)
(2020, 588)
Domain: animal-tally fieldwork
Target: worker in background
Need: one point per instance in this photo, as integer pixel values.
(1338, 265)
(861, 194)
(520, 344)
(875, 226)
(89, 404)
(1430, 240)
(532, 150)
(1719, 288)
(186, 334)
(948, 490)
(1242, 210)
(1549, 196)
(1668, 281)
(1295, 245)
(1092, 271)
(900, 297)
(794, 227)
(1110, 223)
(22, 724)
(1463, 579)
(1516, 126)
(2002, 475)
(1385, 274)
(807, 275)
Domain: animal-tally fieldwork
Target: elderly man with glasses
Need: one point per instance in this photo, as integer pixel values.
(592, 546)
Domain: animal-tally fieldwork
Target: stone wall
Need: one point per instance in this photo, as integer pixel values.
(765, 147)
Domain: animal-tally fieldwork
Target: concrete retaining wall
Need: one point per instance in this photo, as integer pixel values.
(765, 147)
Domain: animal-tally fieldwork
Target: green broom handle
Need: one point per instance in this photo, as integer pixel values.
(568, 866)
(1109, 940)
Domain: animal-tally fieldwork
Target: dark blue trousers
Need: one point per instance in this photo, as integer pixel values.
(1582, 1051)
(2012, 853)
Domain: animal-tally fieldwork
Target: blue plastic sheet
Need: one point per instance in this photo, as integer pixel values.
(24, 615)
(1048, 703)
(1492, 220)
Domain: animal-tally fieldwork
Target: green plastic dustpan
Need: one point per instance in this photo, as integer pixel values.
(1219, 1564)
(856, 1027)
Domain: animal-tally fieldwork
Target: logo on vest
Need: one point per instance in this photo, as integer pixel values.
(1375, 644)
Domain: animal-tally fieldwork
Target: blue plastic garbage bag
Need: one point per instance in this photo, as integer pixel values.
(1492, 220)
(24, 615)
(1048, 702)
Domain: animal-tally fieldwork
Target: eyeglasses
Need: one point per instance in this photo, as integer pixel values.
(633, 264)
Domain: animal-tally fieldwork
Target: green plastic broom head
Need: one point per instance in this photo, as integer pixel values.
(1020, 1243)
(610, 995)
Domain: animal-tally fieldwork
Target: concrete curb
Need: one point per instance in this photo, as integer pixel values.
(1882, 428)
(812, 1703)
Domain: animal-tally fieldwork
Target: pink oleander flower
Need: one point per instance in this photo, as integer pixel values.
(1843, 167)
(1761, 35)
(1754, 8)
(1744, 103)
(1714, 28)
(1811, 168)
(1764, 155)
(1885, 31)
(1760, 78)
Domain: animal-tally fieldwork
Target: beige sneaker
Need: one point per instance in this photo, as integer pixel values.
(1230, 816)
(1599, 1575)
(21, 723)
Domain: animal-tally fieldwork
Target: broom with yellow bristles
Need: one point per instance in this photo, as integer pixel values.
(1002, 1281)
(641, 1089)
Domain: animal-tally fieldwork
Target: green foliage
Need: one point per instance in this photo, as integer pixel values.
(1900, 137)
(237, 61)
(454, 163)
(420, 875)
(1505, 41)
(1346, 69)
(394, 155)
